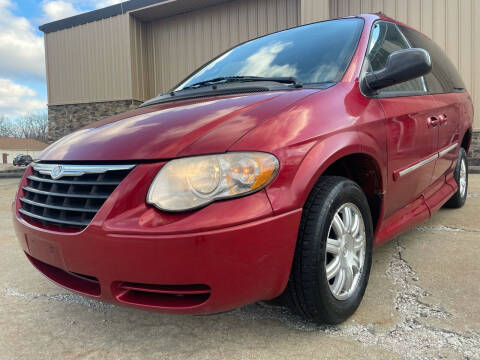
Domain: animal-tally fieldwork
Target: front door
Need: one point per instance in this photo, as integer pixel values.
(412, 144)
(409, 111)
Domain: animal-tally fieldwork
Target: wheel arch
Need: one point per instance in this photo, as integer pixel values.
(364, 170)
(467, 139)
(350, 155)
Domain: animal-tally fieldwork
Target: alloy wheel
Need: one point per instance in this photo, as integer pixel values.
(345, 255)
(463, 178)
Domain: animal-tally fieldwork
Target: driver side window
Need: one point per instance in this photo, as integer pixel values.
(385, 39)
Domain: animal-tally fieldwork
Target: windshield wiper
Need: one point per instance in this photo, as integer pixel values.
(232, 79)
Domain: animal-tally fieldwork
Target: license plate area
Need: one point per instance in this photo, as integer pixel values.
(45, 251)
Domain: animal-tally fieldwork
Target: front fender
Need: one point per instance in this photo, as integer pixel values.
(291, 188)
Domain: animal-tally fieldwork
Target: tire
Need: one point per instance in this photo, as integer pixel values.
(308, 291)
(461, 177)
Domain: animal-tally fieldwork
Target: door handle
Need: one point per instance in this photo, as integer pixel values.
(433, 121)
(443, 119)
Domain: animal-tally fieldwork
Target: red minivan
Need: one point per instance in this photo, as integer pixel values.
(273, 170)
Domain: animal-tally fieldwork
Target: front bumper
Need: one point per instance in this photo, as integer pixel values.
(140, 257)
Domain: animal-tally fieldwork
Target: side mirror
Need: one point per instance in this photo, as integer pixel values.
(402, 65)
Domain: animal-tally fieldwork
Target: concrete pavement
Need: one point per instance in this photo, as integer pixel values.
(422, 302)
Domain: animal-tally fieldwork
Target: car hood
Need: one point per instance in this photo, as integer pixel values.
(180, 128)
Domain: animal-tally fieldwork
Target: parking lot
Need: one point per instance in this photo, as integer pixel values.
(422, 301)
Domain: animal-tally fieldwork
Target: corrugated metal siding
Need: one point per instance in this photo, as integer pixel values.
(139, 53)
(90, 62)
(178, 45)
(314, 10)
(452, 24)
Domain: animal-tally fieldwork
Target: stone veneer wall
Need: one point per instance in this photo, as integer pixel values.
(474, 153)
(64, 119)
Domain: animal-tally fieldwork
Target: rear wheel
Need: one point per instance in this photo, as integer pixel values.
(461, 177)
(333, 254)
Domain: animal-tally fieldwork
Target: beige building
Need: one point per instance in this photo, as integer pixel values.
(109, 60)
(11, 147)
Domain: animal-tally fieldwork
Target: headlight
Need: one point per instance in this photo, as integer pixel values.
(190, 183)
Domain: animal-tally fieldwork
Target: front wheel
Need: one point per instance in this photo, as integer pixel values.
(461, 177)
(334, 252)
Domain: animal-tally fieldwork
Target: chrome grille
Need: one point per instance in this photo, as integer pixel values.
(69, 196)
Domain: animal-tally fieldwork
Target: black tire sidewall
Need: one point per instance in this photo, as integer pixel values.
(346, 191)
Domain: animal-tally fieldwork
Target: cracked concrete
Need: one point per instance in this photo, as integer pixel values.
(445, 229)
(422, 302)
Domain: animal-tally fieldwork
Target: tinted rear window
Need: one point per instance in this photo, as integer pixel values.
(444, 77)
(315, 53)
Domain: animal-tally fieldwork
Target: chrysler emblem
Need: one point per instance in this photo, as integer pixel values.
(57, 172)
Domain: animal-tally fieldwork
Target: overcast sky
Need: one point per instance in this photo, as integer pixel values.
(22, 60)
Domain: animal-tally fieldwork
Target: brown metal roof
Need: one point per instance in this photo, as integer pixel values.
(163, 9)
(11, 143)
(146, 10)
(99, 14)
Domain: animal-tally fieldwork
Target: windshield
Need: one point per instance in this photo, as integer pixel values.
(314, 53)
